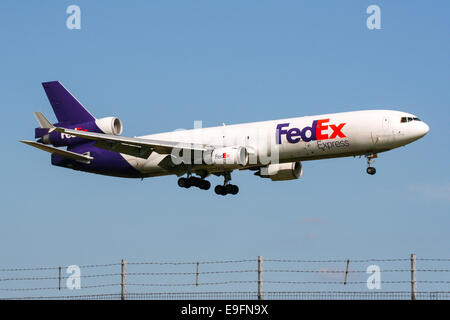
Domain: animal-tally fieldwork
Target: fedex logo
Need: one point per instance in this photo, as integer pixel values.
(69, 136)
(222, 156)
(317, 131)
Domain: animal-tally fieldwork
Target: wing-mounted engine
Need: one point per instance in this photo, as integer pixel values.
(226, 157)
(281, 171)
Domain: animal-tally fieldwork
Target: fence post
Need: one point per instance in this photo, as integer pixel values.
(260, 277)
(123, 282)
(413, 277)
(196, 275)
(346, 272)
(59, 278)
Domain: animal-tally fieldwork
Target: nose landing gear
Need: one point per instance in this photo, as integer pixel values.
(370, 159)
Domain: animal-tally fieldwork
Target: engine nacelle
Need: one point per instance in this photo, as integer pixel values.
(282, 171)
(227, 156)
(110, 125)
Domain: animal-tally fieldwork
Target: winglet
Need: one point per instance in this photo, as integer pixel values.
(43, 122)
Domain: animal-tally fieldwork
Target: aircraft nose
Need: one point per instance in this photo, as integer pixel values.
(423, 129)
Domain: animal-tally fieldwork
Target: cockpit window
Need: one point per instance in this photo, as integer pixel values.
(409, 119)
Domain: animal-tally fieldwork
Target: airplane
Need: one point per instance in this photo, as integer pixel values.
(273, 149)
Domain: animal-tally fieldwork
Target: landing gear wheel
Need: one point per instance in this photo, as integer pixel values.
(184, 183)
(227, 189)
(371, 170)
(194, 182)
(220, 190)
(205, 184)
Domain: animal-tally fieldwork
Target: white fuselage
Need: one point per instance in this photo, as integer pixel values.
(298, 139)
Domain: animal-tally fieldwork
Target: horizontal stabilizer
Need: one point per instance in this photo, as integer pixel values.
(61, 152)
(43, 122)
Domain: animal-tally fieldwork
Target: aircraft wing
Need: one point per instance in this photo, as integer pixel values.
(64, 153)
(137, 147)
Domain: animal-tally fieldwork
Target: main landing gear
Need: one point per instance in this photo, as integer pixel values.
(226, 188)
(370, 159)
(194, 182)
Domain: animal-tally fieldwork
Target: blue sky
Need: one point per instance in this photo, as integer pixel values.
(160, 65)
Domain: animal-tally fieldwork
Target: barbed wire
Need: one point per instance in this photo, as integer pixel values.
(189, 273)
(57, 268)
(58, 288)
(431, 259)
(193, 263)
(190, 284)
(42, 268)
(336, 261)
(331, 282)
(61, 278)
(319, 271)
(355, 271)
(353, 282)
(28, 269)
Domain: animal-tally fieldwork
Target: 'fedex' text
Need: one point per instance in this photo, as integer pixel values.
(317, 131)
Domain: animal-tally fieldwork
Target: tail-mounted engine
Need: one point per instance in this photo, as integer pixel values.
(108, 125)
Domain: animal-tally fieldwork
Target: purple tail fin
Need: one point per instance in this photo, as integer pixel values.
(66, 107)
